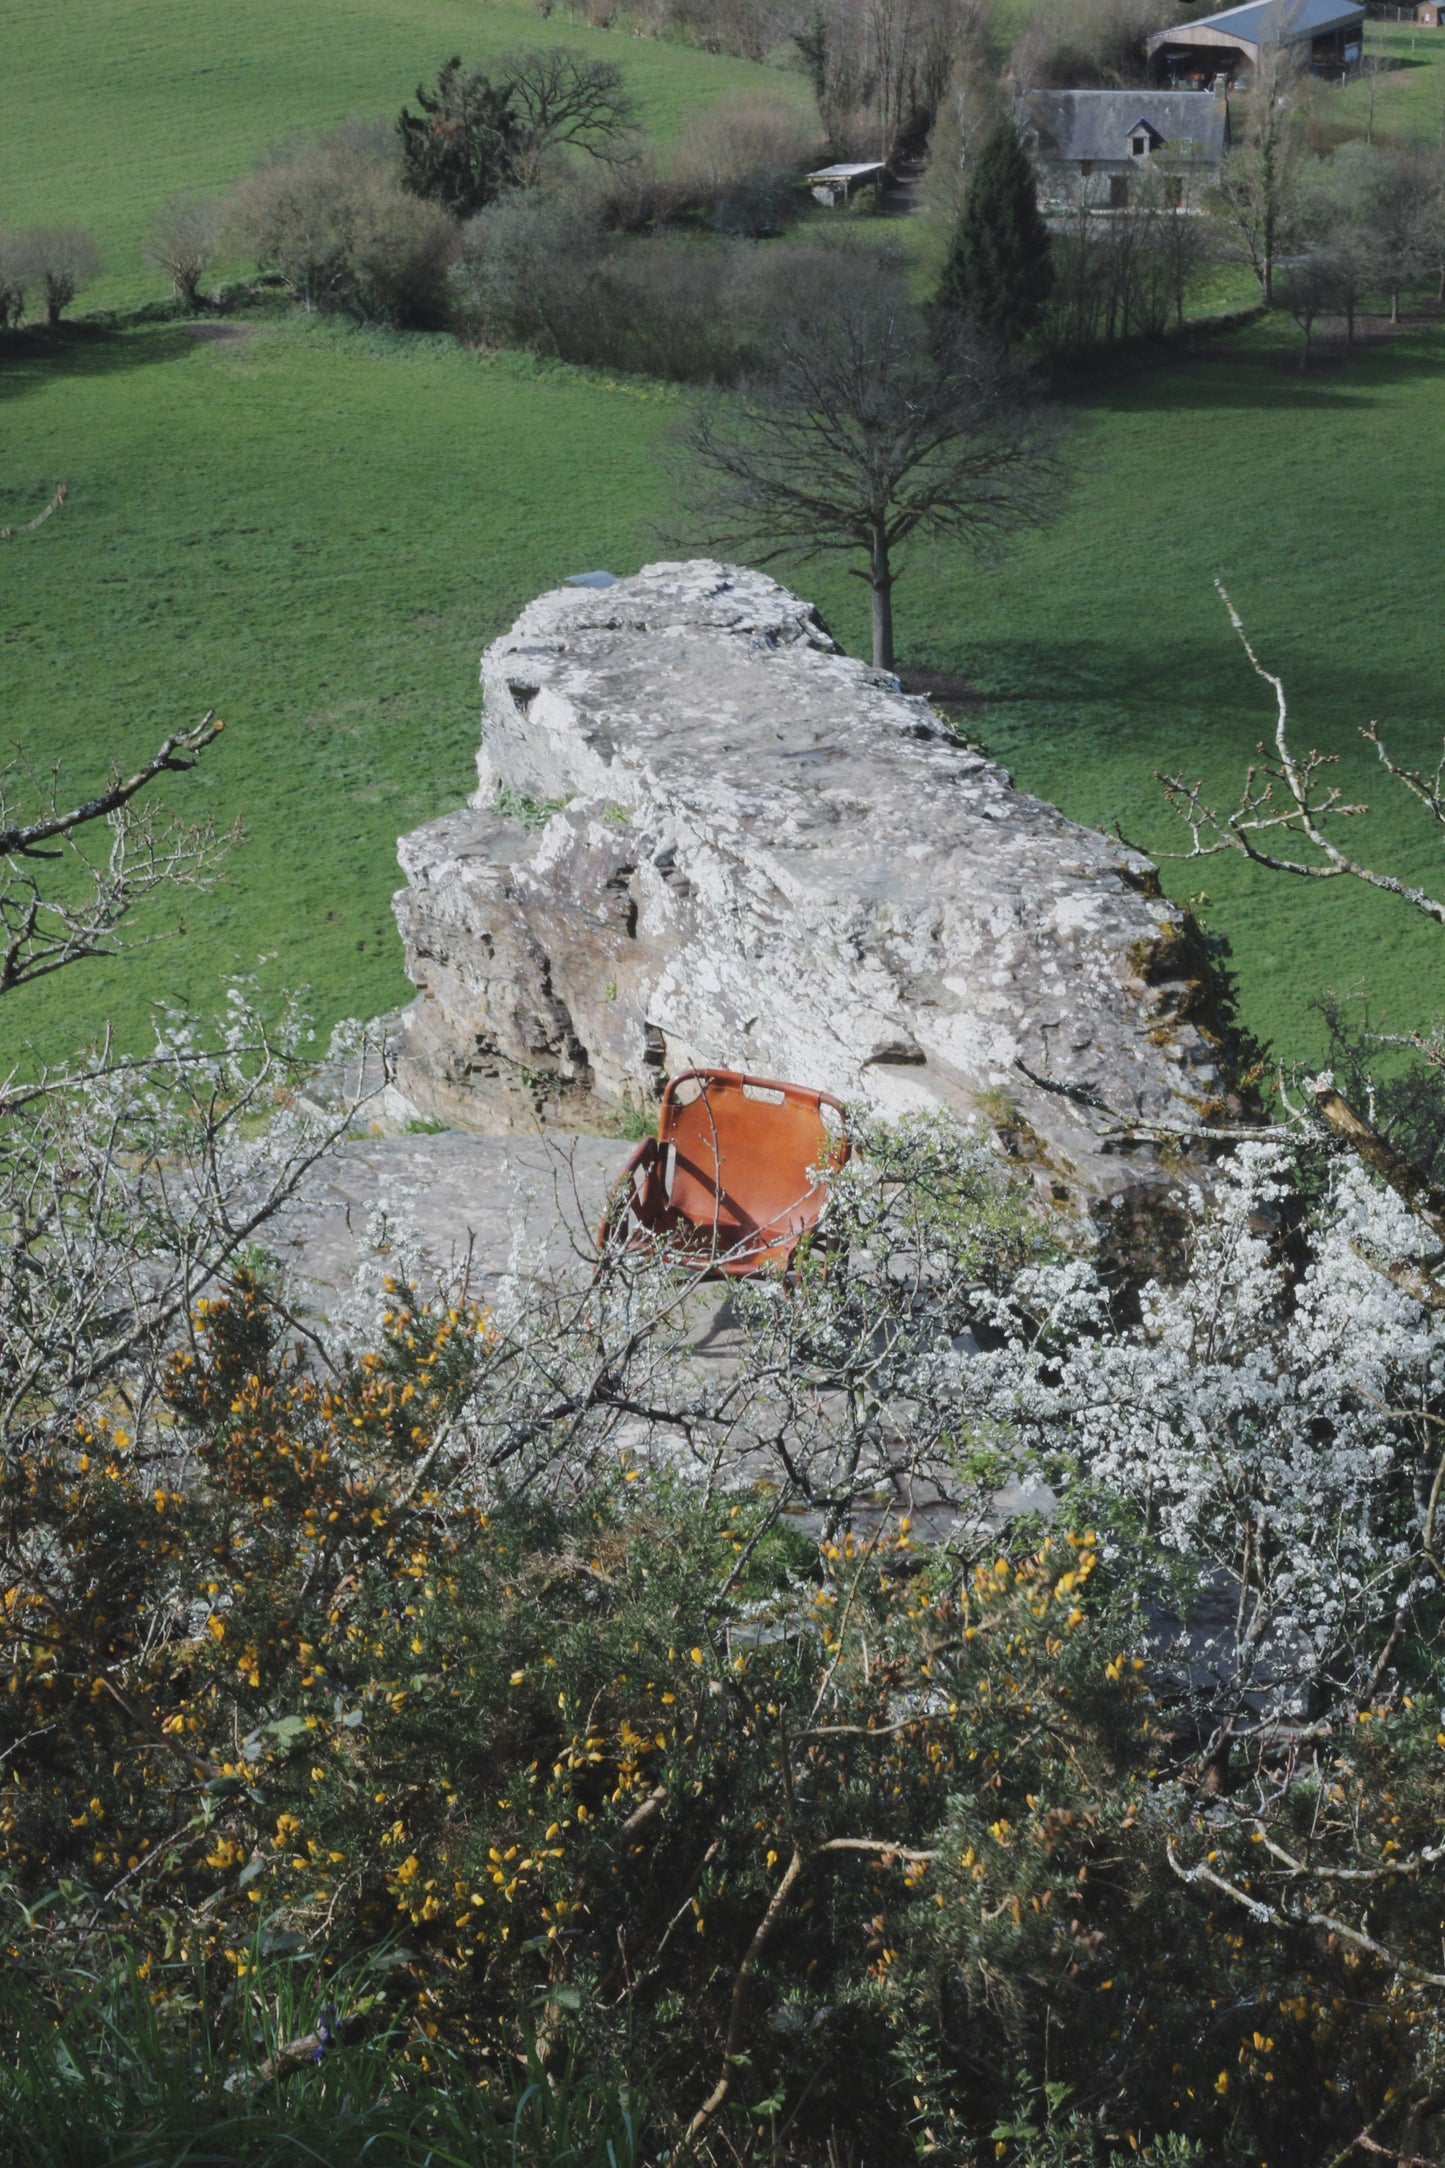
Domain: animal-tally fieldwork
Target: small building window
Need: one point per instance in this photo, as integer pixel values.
(1139, 145)
(1118, 191)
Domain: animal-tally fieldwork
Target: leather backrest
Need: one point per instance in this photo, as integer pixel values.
(743, 1149)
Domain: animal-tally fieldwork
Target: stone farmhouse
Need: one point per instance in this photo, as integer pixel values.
(1092, 146)
(1223, 51)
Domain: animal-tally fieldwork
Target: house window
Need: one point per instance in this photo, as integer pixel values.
(1086, 167)
(1118, 191)
(1139, 145)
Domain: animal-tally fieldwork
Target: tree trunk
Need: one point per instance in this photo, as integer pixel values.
(880, 580)
(1395, 305)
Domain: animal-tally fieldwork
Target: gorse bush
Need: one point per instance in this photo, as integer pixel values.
(575, 1751)
(853, 1837)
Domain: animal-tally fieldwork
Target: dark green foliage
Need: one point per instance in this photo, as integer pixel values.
(459, 149)
(478, 134)
(1397, 1075)
(132, 2072)
(812, 44)
(1000, 269)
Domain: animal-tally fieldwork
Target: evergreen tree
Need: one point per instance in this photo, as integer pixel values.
(1000, 268)
(460, 149)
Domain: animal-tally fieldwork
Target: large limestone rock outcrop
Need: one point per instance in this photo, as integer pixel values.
(703, 835)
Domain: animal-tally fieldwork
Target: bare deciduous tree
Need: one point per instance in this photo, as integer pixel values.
(1396, 223)
(967, 111)
(481, 131)
(1083, 43)
(1309, 287)
(63, 260)
(182, 243)
(43, 929)
(1430, 224)
(880, 68)
(874, 426)
(128, 1180)
(15, 273)
(566, 101)
(1255, 203)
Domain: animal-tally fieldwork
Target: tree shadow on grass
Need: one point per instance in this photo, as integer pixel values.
(1243, 374)
(30, 360)
(1196, 684)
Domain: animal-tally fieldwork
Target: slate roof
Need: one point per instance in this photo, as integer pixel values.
(1267, 22)
(1070, 125)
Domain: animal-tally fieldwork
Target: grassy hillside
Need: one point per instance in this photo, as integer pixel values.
(311, 530)
(109, 106)
(316, 530)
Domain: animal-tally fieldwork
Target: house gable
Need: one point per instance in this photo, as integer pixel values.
(1097, 129)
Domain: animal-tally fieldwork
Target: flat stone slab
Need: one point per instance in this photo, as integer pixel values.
(521, 1209)
(502, 1205)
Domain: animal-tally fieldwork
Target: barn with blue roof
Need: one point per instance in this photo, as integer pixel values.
(1223, 50)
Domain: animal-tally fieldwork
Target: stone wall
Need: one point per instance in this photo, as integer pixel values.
(702, 835)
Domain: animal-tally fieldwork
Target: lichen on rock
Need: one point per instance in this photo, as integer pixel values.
(703, 835)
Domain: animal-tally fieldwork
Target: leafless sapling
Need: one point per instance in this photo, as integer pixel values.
(182, 243)
(872, 427)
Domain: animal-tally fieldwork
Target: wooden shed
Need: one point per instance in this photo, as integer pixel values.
(836, 184)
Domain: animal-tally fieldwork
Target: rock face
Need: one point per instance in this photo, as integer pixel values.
(702, 835)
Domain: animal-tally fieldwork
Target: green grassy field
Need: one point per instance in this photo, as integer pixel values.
(1409, 98)
(109, 106)
(316, 530)
(1316, 499)
(311, 530)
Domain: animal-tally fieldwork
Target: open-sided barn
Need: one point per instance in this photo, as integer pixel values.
(1328, 35)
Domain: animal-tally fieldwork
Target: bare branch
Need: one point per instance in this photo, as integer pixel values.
(1321, 1922)
(1287, 797)
(8, 534)
(179, 751)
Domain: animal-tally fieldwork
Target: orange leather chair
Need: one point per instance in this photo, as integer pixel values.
(725, 1186)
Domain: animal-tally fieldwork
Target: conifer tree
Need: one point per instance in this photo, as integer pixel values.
(1000, 268)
